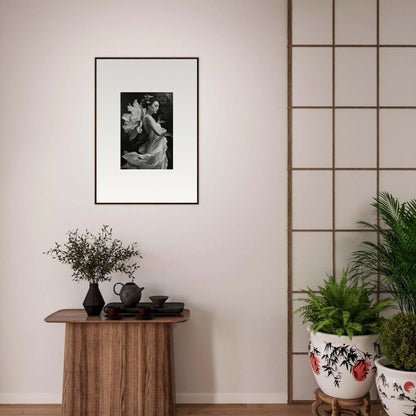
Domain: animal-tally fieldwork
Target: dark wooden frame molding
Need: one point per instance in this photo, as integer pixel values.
(333, 230)
(95, 132)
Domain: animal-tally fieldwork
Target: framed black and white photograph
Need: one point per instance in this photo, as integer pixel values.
(146, 130)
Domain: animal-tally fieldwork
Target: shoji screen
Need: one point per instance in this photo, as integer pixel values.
(351, 134)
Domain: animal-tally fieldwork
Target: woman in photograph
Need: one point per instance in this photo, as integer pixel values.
(152, 153)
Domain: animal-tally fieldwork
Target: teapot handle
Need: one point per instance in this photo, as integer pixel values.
(114, 288)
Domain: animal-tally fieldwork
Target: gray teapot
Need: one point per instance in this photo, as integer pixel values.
(130, 293)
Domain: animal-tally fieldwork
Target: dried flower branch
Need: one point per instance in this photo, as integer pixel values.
(95, 257)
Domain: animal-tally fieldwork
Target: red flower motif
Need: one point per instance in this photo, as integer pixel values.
(361, 369)
(314, 363)
(409, 386)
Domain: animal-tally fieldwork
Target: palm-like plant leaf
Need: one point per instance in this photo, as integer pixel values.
(394, 256)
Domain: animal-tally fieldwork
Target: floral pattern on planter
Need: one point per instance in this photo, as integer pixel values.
(315, 363)
(397, 392)
(361, 369)
(343, 368)
(355, 361)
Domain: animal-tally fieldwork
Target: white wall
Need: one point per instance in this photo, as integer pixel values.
(225, 258)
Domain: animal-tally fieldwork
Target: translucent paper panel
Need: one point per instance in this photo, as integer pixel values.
(398, 138)
(397, 76)
(356, 22)
(304, 383)
(397, 22)
(355, 80)
(312, 76)
(312, 199)
(312, 258)
(400, 183)
(345, 244)
(312, 21)
(312, 138)
(299, 331)
(355, 138)
(355, 191)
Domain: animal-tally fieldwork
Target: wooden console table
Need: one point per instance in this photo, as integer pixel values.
(117, 368)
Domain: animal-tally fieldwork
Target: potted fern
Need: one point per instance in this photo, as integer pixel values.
(393, 259)
(344, 325)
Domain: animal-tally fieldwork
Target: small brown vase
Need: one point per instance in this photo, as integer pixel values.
(93, 302)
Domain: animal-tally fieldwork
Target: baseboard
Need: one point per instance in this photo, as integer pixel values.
(191, 398)
(14, 398)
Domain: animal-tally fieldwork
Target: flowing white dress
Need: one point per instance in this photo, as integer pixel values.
(152, 153)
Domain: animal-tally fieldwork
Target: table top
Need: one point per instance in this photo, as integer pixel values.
(80, 316)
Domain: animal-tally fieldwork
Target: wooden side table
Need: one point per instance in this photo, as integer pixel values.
(117, 368)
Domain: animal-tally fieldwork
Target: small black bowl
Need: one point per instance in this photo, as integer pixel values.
(158, 301)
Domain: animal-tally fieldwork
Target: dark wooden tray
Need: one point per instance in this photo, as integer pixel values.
(168, 308)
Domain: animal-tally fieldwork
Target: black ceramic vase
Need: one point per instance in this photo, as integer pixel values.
(93, 302)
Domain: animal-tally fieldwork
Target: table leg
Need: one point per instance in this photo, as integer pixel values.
(118, 369)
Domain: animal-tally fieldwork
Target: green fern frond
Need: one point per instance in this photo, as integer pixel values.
(342, 308)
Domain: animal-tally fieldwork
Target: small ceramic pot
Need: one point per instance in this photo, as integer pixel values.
(343, 368)
(396, 389)
(143, 311)
(113, 311)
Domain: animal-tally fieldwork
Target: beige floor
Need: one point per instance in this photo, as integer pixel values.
(185, 410)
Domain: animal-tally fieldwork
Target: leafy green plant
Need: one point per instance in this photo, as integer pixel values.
(95, 257)
(343, 308)
(394, 256)
(398, 339)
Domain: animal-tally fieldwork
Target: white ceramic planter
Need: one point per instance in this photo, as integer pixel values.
(344, 368)
(396, 389)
